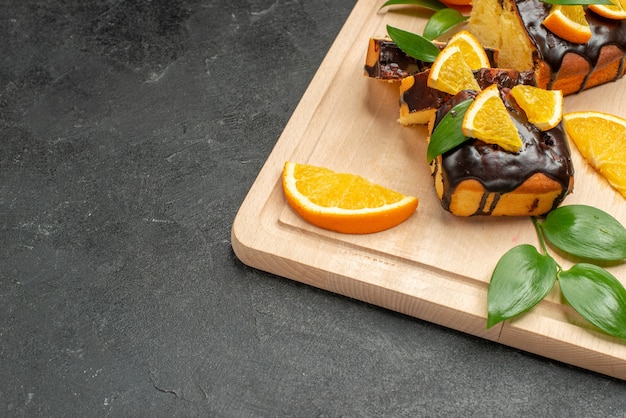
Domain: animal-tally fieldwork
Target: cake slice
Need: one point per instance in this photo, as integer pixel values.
(477, 178)
(418, 102)
(525, 44)
(386, 61)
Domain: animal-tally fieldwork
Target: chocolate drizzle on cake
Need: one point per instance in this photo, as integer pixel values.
(553, 49)
(499, 171)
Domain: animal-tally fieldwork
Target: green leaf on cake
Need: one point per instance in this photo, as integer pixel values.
(413, 45)
(441, 22)
(428, 4)
(448, 133)
(597, 296)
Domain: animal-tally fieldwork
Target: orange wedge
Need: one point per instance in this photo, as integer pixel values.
(615, 11)
(343, 202)
(473, 52)
(569, 23)
(543, 108)
(601, 140)
(488, 120)
(450, 73)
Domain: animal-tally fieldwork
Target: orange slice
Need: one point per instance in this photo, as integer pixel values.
(601, 140)
(488, 120)
(615, 11)
(473, 52)
(543, 108)
(569, 23)
(343, 202)
(450, 73)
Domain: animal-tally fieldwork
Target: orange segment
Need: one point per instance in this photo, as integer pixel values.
(473, 52)
(601, 140)
(543, 108)
(450, 73)
(615, 11)
(343, 202)
(488, 120)
(569, 23)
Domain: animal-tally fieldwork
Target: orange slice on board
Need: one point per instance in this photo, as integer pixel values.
(543, 108)
(343, 202)
(569, 23)
(488, 120)
(601, 140)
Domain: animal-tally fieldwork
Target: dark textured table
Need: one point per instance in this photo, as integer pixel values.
(131, 132)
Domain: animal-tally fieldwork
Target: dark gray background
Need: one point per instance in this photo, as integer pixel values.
(131, 132)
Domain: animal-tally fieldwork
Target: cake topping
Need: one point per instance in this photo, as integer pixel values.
(569, 23)
(487, 119)
(473, 52)
(544, 108)
(450, 73)
(616, 11)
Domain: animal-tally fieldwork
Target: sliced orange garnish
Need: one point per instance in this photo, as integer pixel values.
(450, 73)
(343, 202)
(543, 108)
(473, 52)
(488, 120)
(569, 23)
(615, 11)
(601, 140)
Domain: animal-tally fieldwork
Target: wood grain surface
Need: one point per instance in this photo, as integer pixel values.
(435, 266)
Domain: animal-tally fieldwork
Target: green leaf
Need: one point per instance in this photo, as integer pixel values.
(448, 133)
(429, 4)
(441, 22)
(521, 279)
(585, 232)
(597, 296)
(577, 2)
(413, 45)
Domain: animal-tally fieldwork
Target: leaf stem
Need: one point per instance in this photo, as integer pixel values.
(542, 242)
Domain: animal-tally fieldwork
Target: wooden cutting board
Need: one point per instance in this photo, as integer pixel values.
(434, 266)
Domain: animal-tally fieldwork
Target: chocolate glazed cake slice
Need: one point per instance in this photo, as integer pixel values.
(476, 178)
(525, 44)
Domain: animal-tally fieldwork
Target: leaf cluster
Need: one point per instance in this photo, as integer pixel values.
(421, 47)
(588, 236)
